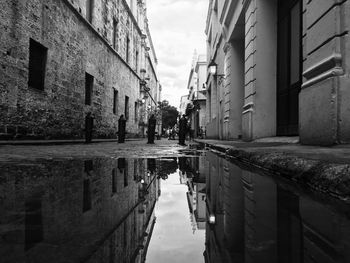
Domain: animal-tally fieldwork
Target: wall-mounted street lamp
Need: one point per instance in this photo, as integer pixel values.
(213, 68)
(144, 88)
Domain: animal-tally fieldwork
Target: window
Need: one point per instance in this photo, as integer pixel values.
(89, 10)
(126, 110)
(127, 49)
(126, 175)
(136, 110)
(37, 65)
(115, 33)
(33, 220)
(86, 195)
(137, 61)
(89, 83)
(136, 175)
(115, 101)
(114, 181)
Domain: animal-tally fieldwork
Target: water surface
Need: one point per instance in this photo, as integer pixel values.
(158, 210)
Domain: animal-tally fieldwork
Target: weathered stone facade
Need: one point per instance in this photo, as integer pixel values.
(285, 70)
(106, 45)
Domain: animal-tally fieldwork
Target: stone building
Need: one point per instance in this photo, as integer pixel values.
(151, 91)
(196, 107)
(282, 69)
(183, 104)
(60, 59)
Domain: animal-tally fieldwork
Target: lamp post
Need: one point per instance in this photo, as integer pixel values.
(213, 67)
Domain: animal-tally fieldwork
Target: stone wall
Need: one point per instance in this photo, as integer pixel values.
(74, 47)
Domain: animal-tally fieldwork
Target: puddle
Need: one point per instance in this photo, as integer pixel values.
(172, 209)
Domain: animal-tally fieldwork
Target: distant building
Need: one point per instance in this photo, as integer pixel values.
(281, 70)
(183, 104)
(60, 60)
(196, 107)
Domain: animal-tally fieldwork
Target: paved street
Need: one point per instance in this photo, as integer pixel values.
(130, 149)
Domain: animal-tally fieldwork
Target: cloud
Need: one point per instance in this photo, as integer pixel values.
(177, 28)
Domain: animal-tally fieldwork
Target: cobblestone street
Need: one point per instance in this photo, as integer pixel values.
(130, 149)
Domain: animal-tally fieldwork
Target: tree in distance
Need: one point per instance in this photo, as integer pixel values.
(169, 114)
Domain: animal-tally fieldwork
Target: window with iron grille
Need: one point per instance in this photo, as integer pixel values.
(115, 101)
(126, 111)
(37, 65)
(89, 83)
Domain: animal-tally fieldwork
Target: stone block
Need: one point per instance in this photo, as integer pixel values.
(317, 9)
(318, 113)
(325, 52)
(326, 28)
(344, 109)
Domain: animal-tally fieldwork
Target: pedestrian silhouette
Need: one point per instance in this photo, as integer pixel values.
(151, 129)
(89, 125)
(121, 129)
(182, 130)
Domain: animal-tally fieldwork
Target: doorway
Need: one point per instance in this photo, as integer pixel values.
(289, 65)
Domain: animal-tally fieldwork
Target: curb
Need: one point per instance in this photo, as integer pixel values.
(329, 178)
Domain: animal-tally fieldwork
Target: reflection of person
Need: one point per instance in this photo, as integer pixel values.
(121, 164)
(200, 132)
(183, 165)
(121, 129)
(191, 134)
(182, 130)
(89, 125)
(151, 129)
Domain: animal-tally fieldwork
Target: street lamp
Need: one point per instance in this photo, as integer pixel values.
(213, 68)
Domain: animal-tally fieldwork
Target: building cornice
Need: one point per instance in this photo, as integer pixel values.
(131, 15)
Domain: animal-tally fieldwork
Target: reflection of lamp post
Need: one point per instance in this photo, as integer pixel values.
(212, 219)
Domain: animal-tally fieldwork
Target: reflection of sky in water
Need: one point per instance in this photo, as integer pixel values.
(173, 239)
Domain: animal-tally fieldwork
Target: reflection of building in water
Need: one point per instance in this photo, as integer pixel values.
(255, 220)
(77, 211)
(225, 238)
(193, 176)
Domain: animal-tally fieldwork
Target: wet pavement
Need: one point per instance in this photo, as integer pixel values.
(133, 202)
(133, 148)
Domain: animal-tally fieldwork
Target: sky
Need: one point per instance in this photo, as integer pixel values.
(177, 29)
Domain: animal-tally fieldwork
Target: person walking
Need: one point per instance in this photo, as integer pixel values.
(121, 129)
(89, 126)
(151, 129)
(182, 130)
